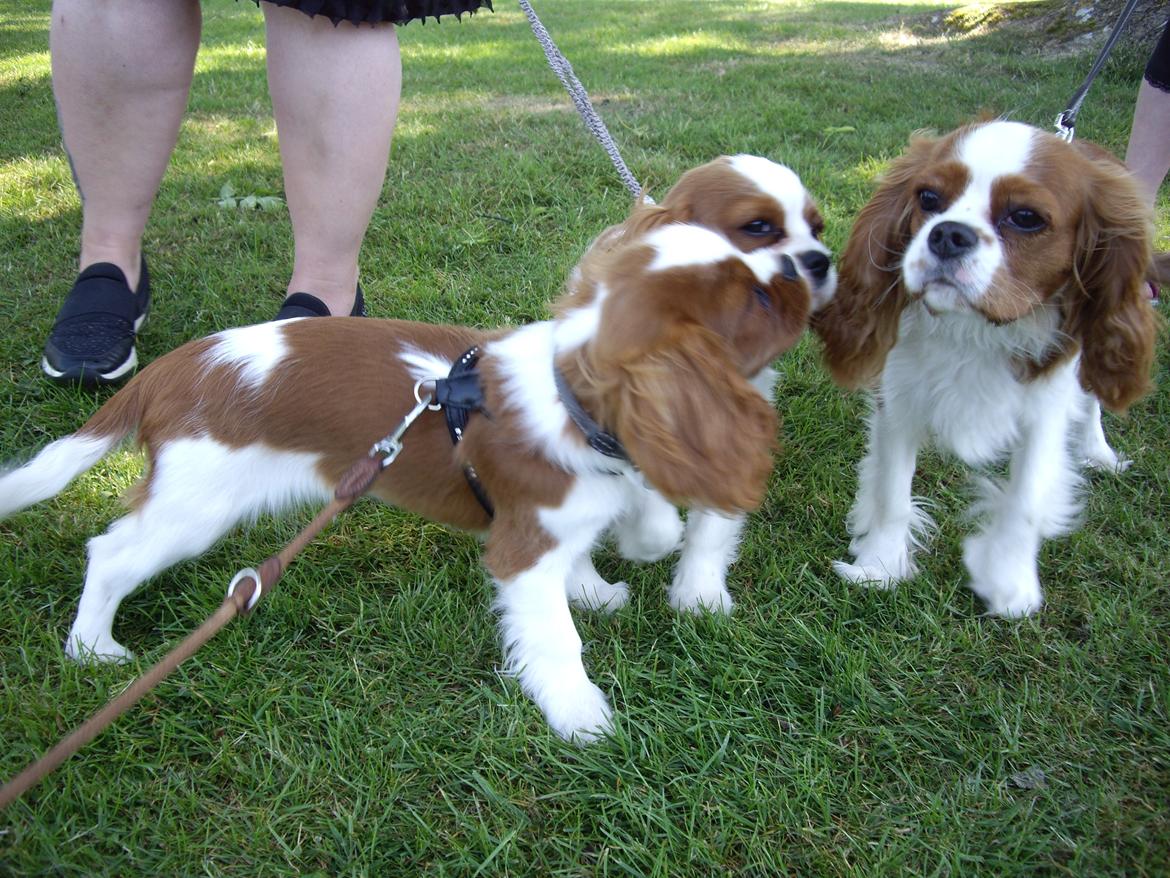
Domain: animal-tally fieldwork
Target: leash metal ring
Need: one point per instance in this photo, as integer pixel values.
(244, 574)
(434, 406)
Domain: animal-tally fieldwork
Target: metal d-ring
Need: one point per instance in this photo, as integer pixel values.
(434, 407)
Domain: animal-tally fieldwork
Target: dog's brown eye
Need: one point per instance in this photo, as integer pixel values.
(929, 200)
(1024, 220)
(758, 228)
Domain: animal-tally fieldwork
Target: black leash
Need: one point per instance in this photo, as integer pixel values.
(1066, 122)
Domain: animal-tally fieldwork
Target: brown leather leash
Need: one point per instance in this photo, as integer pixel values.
(245, 591)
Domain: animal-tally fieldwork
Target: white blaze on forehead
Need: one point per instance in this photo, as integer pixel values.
(994, 150)
(772, 178)
(256, 350)
(776, 181)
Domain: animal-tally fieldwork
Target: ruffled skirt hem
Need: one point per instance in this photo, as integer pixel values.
(379, 11)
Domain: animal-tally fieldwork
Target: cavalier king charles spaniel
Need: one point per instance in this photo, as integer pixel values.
(994, 288)
(754, 203)
(643, 377)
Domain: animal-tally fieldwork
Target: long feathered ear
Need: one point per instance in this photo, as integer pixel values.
(1108, 311)
(699, 432)
(646, 217)
(860, 323)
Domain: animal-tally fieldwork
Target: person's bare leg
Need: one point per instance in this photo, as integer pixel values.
(121, 73)
(1148, 152)
(335, 94)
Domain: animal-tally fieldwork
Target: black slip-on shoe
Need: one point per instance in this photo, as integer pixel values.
(306, 305)
(92, 340)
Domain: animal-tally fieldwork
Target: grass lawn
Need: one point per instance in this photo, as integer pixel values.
(357, 724)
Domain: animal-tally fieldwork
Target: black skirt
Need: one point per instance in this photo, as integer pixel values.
(378, 11)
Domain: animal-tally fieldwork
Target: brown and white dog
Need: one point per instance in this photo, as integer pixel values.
(657, 342)
(994, 288)
(754, 203)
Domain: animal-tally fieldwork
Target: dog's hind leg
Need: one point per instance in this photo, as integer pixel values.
(198, 490)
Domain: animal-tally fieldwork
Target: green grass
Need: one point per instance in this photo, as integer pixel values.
(357, 725)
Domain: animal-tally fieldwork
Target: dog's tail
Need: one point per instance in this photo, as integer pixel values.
(60, 462)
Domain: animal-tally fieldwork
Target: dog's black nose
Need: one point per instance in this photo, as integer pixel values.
(788, 267)
(950, 239)
(815, 263)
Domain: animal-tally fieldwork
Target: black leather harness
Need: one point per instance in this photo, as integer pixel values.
(461, 395)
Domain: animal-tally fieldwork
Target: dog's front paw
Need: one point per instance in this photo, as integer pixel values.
(1107, 460)
(870, 576)
(1006, 581)
(599, 595)
(692, 593)
(99, 651)
(881, 558)
(579, 714)
(1007, 603)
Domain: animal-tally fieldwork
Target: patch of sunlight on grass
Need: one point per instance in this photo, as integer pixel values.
(901, 38)
(28, 65)
(226, 58)
(480, 50)
(105, 485)
(412, 128)
(37, 187)
(217, 128)
(683, 44)
(925, 4)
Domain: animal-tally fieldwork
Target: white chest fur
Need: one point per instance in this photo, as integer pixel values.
(956, 375)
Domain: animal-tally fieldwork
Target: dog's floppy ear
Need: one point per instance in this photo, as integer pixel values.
(646, 217)
(1108, 310)
(860, 323)
(698, 431)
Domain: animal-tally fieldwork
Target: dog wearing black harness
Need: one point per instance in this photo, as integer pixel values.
(654, 349)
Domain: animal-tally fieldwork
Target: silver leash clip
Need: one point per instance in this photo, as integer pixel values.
(391, 446)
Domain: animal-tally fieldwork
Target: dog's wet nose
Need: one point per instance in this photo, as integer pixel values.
(816, 264)
(788, 267)
(950, 239)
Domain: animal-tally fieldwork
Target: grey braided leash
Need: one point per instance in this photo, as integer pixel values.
(564, 70)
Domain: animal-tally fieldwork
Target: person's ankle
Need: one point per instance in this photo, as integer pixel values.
(129, 263)
(337, 303)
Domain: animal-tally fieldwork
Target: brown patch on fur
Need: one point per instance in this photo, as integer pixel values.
(341, 387)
